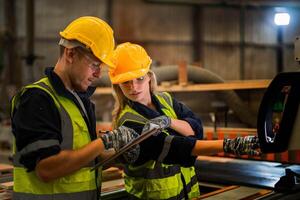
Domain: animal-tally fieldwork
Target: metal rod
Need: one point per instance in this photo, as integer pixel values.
(242, 43)
(279, 52)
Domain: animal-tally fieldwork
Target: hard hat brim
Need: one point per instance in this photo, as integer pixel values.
(128, 76)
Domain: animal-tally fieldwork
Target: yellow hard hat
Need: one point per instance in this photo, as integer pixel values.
(130, 61)
(95, 34)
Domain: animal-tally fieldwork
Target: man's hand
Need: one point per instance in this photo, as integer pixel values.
(118, 138)
(247, 145)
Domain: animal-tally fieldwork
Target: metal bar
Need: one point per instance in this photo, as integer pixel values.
(198, 34)
(279, 51)
(11, 71)
(242, 42)
(30, 30)
(250, 4)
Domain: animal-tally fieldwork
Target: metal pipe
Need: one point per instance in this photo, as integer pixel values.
(30, 31)
(279, 50)
(12, 74)
(242, 42)
(197, 34)
(30, 57)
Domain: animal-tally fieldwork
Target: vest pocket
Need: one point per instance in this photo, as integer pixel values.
(83, 175)
(81, 135)
(82, 180)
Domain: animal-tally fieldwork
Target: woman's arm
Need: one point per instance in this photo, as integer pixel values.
(248, 145)
(182, 127)
(189, 124)
(207, 147)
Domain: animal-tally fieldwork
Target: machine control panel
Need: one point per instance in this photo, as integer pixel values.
(278, 123)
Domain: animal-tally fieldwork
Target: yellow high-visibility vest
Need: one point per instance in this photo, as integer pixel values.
(153, 179)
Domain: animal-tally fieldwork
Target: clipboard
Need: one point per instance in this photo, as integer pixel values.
(153, 129)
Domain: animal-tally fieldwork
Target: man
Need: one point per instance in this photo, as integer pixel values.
(53, 120)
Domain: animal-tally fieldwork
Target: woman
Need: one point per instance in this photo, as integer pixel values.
(164, 168)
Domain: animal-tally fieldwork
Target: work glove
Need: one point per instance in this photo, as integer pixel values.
(247, 145)
(161, 123)
(118, 138)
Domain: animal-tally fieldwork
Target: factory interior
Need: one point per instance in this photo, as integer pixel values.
(234, 63)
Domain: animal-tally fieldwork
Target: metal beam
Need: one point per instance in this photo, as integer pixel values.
(232, 3)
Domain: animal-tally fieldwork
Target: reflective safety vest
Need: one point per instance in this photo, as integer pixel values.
(153, 179)
(79, 185)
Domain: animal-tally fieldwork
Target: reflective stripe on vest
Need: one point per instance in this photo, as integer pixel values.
(131, 116)
(79, 185)
(31, 148)
(147, 181)
(65, 196)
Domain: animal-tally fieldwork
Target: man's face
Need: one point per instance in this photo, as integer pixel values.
(85, 70)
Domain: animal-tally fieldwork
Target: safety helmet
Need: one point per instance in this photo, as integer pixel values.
(95, 34)
(130, 61)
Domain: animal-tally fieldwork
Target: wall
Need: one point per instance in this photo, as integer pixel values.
(164, 30)
(50, 18)
(167, 31)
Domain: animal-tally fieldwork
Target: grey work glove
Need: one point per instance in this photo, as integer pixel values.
(161, 122)
(247, 145)
(120, 137)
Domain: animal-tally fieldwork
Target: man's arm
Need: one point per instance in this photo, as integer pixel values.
(36, 120)
(68, 161)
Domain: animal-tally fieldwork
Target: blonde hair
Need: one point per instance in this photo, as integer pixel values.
(121, 101)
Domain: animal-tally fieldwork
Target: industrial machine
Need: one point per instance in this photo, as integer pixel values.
(278, 122)
(278, 128)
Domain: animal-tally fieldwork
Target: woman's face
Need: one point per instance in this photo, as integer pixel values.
(138, 89)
